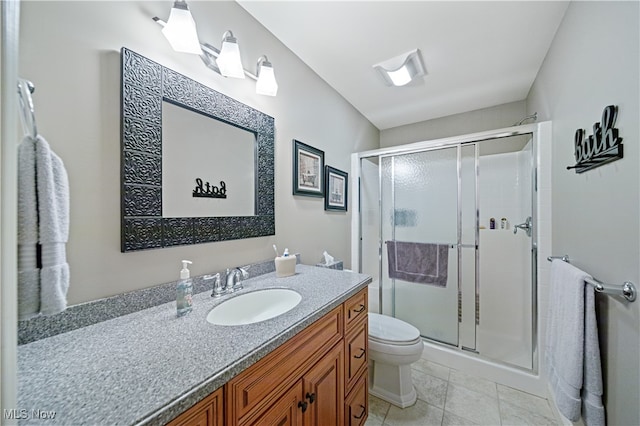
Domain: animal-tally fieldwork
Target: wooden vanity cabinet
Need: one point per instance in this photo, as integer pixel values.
(258, 388)
(317, 378)
(315, 399)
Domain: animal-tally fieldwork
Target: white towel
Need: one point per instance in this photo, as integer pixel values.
(43, 217)
(53, 218)
(28, 272)
(572, 353)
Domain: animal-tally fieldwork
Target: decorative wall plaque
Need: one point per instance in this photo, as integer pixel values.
(603, 147)
(207, 190)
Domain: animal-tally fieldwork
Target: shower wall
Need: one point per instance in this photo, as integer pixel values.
(504, 187)
(504, 331)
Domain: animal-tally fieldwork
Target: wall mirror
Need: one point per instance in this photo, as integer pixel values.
(208, 136)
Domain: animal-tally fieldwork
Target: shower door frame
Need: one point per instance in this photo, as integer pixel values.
(459, 142)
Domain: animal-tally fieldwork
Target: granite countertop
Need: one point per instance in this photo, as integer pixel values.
(149, 366)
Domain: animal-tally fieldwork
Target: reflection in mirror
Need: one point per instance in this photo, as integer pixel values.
(198, 150)
(147, 89)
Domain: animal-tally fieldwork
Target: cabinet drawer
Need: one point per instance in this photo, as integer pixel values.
(254, 389)
(356, 308)
(356, 406)
(357, 353)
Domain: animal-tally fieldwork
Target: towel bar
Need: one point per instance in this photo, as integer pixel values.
(626, 290)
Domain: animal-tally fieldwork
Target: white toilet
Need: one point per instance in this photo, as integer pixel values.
(393, 346)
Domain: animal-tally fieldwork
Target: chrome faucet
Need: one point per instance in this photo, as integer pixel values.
(526, 226)
(218, 289)
(234, 279)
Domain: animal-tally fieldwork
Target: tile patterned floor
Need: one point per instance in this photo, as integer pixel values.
(450, 397)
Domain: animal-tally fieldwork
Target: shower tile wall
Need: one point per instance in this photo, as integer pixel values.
(502, 188)
(504, 332)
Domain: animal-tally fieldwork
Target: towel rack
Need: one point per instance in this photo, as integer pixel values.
(451, 246)
(626, 290)
(25, 89)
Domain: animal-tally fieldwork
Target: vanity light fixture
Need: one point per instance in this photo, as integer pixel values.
(225, 61)
(229, 60)
(180, 29)
(266, 84)
(402, 69)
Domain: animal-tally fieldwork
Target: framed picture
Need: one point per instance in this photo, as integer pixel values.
(335, 189)
(308, 164)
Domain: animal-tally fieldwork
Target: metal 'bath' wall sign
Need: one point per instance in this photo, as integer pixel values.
(603, 147)
(206, 190)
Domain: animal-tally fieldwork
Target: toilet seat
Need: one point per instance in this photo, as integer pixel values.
(391, 331)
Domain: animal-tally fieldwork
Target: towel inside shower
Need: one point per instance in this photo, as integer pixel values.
(423, 263)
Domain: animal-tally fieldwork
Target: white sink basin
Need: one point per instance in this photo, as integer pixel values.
(259, 305)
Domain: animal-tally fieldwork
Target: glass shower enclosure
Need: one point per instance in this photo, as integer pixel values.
(436, 232)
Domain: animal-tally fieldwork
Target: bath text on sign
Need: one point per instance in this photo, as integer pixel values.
(603, 147)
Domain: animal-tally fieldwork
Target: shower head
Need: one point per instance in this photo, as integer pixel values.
(533, 117)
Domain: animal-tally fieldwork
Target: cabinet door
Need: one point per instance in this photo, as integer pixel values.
(286, 410)
(324, 390)
(207, 412)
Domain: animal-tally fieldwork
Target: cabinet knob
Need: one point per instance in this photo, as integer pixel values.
(364, 410)
(311, 397)
(303, 405)
(361, 353)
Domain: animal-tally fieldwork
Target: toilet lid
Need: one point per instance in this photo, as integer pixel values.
(388, 329)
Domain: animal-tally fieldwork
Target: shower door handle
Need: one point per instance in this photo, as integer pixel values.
(526, 226)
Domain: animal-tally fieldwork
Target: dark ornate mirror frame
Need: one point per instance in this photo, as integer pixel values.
(145, 84)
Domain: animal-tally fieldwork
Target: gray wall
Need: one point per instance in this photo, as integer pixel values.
(458, 124)
(593, 62)
(70, 50)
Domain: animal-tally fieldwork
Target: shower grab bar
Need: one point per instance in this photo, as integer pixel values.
(626, 290)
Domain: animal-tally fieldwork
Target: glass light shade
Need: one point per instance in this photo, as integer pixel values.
(266, 84)
(400, 77)
(402, 69)
(180, 31)
(229, 60)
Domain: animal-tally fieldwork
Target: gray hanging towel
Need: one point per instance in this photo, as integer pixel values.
(423, 263)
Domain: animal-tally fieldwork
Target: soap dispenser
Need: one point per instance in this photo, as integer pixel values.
(184, 290)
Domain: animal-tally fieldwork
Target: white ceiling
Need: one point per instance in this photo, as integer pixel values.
(477, 54)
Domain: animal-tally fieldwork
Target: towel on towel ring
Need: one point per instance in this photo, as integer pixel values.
(43, 230)
(422, 263)
(572, 347)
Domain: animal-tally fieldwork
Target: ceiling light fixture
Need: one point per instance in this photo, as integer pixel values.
(402, 69)
(180, 29)
(225, 61)
(229, 60)
(266, 84)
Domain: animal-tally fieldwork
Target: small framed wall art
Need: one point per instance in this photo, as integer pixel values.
(308, 165)
(335, 189)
